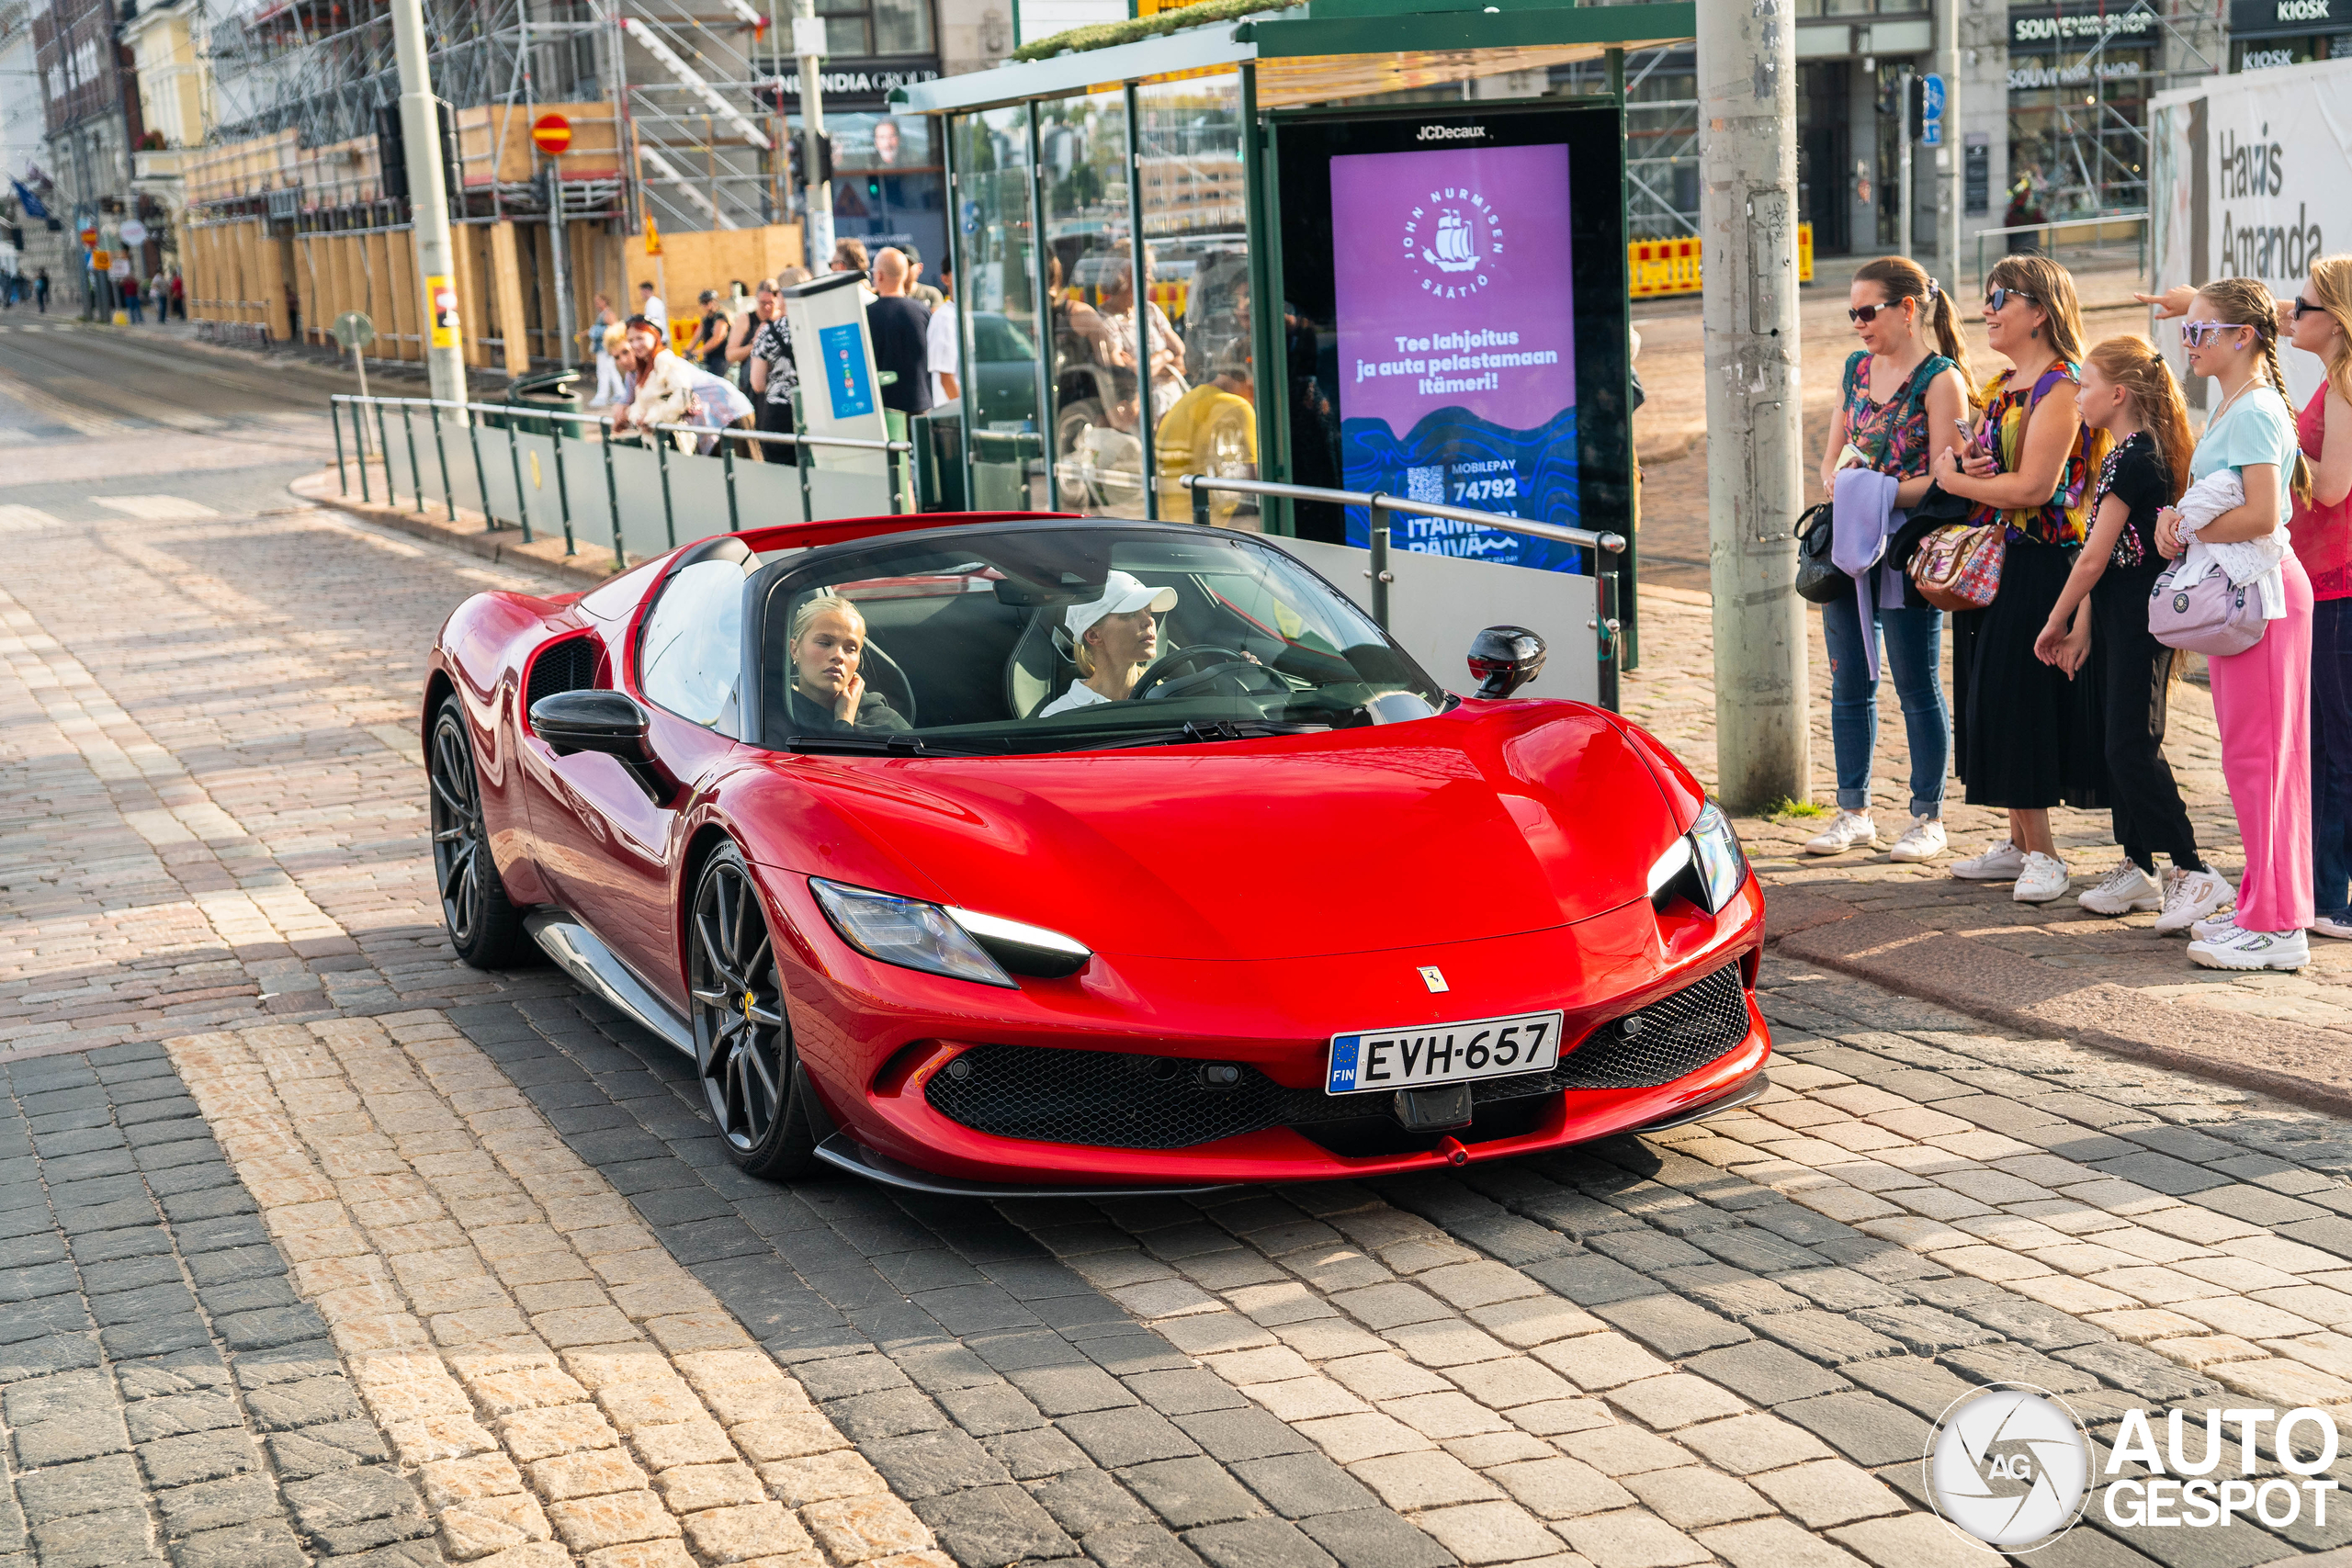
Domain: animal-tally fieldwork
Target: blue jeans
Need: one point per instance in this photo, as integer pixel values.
(1914, 643)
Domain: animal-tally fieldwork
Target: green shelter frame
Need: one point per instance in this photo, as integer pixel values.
(1015, 183)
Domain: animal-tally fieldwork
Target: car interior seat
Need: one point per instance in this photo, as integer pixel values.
(1039, 667)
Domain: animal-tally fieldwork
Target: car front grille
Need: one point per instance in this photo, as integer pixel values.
(1119, 1099)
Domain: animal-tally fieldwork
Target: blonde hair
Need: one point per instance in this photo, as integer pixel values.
(816, 604)
(2052, 286)
(1903, 278)
(616, 338)
(2133, 364)
(2247, 302)
(2331, 281)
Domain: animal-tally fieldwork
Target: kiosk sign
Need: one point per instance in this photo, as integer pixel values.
(1457, 339)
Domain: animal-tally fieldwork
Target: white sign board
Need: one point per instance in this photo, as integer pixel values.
(2252, 177)
(840, 393)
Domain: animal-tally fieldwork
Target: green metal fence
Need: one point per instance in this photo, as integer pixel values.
(644, 496)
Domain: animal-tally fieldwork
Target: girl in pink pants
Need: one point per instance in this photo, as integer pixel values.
(2261, 697)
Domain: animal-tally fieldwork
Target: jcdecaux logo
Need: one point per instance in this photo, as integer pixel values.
(2011, 1468)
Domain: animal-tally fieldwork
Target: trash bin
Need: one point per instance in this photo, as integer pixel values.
(938, 437)
(553, 390)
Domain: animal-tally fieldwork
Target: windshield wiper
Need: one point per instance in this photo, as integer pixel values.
(875, 746)
(1194, 731)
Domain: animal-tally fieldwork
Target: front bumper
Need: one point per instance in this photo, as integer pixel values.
(874, 1037)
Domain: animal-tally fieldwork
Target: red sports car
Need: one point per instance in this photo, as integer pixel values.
(1039, 853)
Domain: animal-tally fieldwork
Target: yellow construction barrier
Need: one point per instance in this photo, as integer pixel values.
(1671, 266)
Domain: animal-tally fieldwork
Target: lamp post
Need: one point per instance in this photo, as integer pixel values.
(428, 204)
(1747, 209)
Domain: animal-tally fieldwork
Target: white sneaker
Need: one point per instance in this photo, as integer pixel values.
(2340, 930)
(1851, 828)
(2041, 879)
(1999, 863)
(1924, 840)
(2231, 948)
(2126, 888)
(2193, 896)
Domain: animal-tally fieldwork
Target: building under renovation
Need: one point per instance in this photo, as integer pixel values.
(590, 144)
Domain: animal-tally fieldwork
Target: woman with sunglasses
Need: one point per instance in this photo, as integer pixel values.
(2026, 735)
(1905, 391)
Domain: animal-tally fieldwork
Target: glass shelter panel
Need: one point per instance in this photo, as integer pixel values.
(1197, 250)
(1097, 431)
(999, 291)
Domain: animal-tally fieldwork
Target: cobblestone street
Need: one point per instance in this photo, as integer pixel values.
(317, 1245)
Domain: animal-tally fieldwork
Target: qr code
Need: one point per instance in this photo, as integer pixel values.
(1426, 483)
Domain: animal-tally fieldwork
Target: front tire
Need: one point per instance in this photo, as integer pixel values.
(750, 1074)
(485, 926)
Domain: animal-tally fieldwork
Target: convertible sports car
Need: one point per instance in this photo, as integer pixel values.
(996, 852)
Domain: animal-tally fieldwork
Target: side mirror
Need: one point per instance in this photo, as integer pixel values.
(609, 722)
(1504, 659)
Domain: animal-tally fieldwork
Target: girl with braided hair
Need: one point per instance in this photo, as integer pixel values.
(2262, 696)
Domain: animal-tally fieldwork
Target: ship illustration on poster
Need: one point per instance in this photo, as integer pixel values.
(1473, 462)
(1456, 248)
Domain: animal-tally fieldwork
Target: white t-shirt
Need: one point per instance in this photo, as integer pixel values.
(655, 312)
(941, 347)
(1080, 695)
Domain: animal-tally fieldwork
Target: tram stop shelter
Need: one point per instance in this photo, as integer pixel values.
(1381, 252)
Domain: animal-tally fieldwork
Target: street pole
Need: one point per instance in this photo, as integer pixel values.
(1906, 201)
(1747, 169)
(1949, 161)
(428, 205)
(809, 43)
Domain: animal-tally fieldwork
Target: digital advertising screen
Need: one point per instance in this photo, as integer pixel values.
(1450, 330)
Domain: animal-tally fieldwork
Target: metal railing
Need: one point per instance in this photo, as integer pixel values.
(2050, 247)
(1605, 625)
(511, 416)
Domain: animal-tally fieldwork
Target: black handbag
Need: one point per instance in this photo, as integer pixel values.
(1817, 579)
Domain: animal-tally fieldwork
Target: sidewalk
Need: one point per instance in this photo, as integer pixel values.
(2055, 969)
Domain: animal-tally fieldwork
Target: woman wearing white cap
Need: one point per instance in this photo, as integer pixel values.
(1113, 640)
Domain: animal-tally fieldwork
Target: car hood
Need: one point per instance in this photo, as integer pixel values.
(1487, 821)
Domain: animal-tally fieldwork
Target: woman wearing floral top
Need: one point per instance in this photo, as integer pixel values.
(1901, 400)
(2027, 737)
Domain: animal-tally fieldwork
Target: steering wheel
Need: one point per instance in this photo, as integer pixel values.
(1160, 680)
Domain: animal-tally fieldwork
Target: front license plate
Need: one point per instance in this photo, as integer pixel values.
(1428, 1054)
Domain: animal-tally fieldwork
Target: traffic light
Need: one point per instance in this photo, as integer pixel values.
(391, 150)
(800, 178)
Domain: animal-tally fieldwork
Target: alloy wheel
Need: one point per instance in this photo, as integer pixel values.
(738, 1005)
(460, 847)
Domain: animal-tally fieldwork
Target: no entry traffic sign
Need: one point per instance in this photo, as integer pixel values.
(552, 133)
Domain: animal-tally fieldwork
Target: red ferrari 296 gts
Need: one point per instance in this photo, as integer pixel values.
(1038, 853)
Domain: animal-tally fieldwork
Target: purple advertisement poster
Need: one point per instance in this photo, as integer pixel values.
(1456, 326)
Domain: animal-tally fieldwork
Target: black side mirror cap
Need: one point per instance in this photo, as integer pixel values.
(606, 721)
(1504, 659)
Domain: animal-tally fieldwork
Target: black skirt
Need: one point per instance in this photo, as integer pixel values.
(2024, 737)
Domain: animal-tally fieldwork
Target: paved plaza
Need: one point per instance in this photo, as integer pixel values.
(316, 1245)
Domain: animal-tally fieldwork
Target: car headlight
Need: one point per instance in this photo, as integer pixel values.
(1706, 866)
(942, 940)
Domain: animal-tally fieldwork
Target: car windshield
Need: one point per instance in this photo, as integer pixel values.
(1003, 641)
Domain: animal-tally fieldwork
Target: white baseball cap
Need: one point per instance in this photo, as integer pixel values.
(1123, 595)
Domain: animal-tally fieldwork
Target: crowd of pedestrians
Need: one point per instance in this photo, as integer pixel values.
(2095, 526)
(737, 369)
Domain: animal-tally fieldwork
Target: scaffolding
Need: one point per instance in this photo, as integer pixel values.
(671, 130)
(2092, 156)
